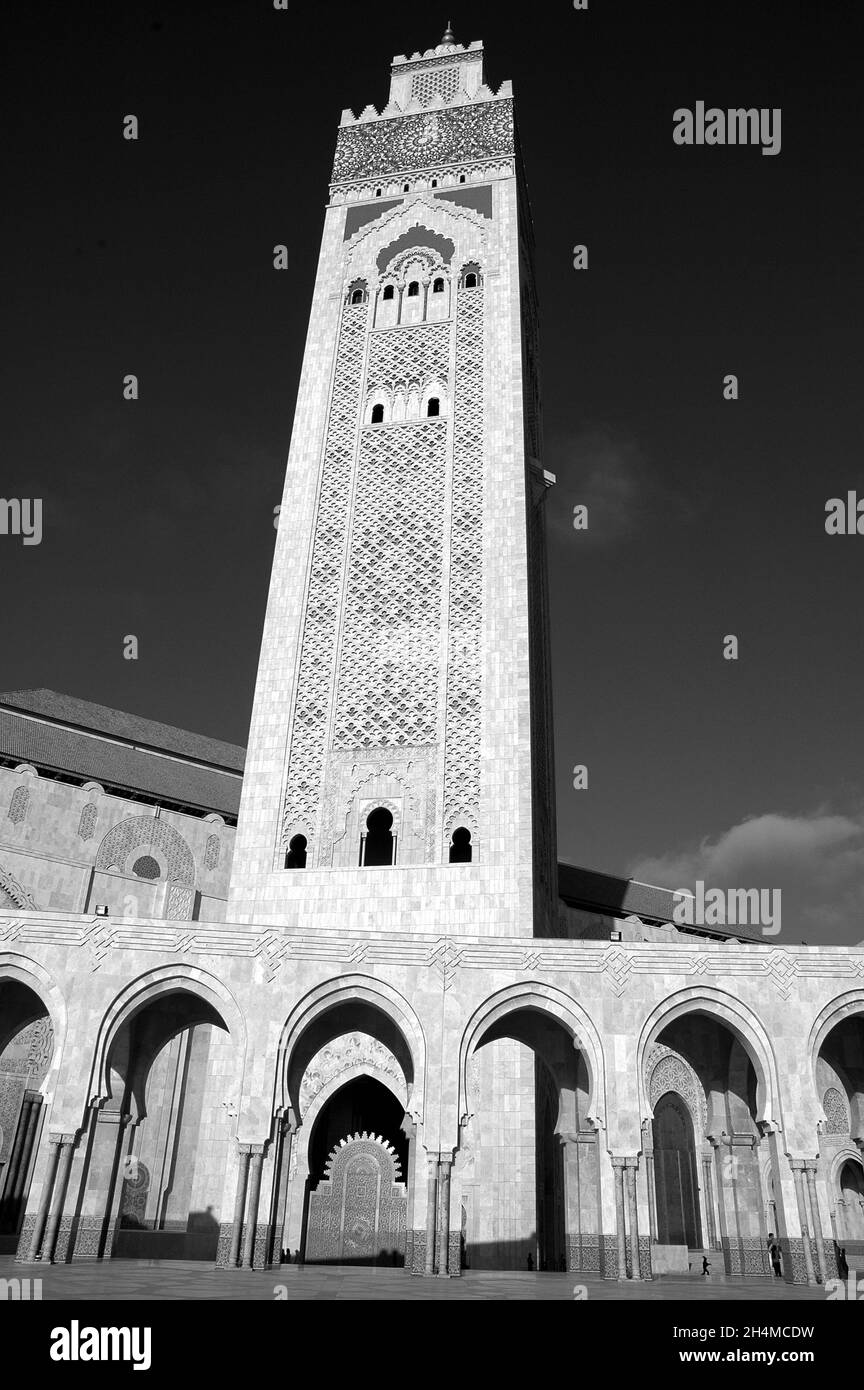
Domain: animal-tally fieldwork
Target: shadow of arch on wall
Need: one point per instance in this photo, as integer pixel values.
(741, 1022)
(347, 1004)
(545, 1000)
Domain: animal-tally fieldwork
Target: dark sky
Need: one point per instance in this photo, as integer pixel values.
(706, 517)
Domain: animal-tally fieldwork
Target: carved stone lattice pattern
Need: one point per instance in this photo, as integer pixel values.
(479, 131)
(836, 1112)
(441, 82)
(19, 804)
(180, 903)
(666, 1071)
(322, 605)
(388, 685)
(87, 823)
(462, 756)
(212, 851)
(15, 892)
(343, 1055)
(131, 834)
(357, 1212)
(412, 357)
(133, 1199)
(41, 1049)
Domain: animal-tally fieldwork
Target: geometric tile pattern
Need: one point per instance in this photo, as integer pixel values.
(309, 731)
(462, 754)
(388, 685)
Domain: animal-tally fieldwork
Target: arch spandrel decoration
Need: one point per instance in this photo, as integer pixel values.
(836, 1112)
(358, 1211)
(346, 1057)
(666, 1070)
(124, 839)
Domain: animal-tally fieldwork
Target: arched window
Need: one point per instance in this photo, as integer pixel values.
(377, 844)
(434, 407)
(146, 867)
(357, 297)
(413, 290)
(296, 856)
(470, 281)
(406, 188)
(438, 286)
(377, 415)
(377, 192)
(460, 849)
(389, 292)
(434, 183)
(461, 178)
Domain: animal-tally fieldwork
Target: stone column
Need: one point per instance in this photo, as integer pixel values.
(431, 1211)
(572, 1214)
(279, 1234)
(409, 1129)
(239, 1206)
(652, 1194)
(66, 1147)
(16, 1179)
(443, 1232)
(713, 1241)
(45, 1199)
(257, 1165)
(797, 1166)
(632, 1165)
(618, 1169)
(810, 1170)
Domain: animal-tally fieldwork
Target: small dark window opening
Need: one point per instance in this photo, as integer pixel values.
(377, 192)
(406, 188)
(434, 183)
(357, 297)
(471, 281)
(378, 843)
(377, 415)
(434, 407)
(438, 287)
(461, 178)
(146, 867)
(413, 290)
(296, 856)
(460, 849)
(389, 292)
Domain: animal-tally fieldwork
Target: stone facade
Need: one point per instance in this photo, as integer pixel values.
(395, 1041)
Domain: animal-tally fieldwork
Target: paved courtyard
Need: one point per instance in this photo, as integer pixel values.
(154, 1279)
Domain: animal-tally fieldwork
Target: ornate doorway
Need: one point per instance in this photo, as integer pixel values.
(357, 1214)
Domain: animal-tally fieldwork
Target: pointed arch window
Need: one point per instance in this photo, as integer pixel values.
(377, 415)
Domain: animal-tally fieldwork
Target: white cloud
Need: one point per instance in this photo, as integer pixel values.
(817, 860)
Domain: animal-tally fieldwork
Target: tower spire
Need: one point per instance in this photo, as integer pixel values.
(449, 39)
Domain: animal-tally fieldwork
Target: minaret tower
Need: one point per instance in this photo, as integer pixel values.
(399, 769)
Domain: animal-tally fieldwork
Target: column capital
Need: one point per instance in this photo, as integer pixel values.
(618, 1162)
(56, 1138)
(632, 1161)
(811, 1165)
(798, 1165)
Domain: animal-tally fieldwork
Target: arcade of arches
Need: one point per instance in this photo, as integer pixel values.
(342, 1174)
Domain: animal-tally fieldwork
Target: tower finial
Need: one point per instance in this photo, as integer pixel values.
(449, 38)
